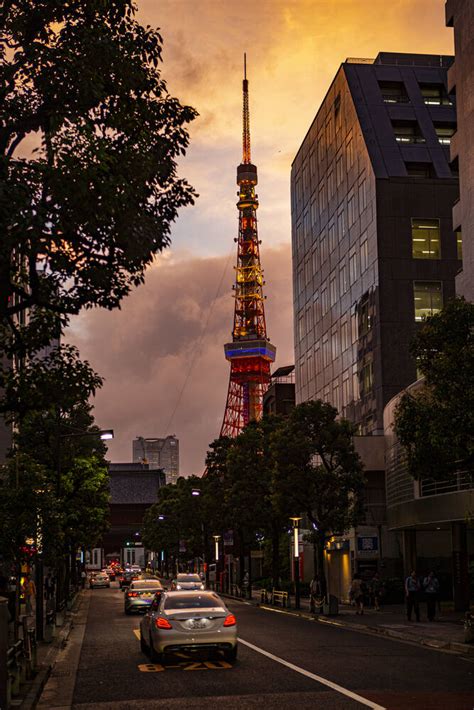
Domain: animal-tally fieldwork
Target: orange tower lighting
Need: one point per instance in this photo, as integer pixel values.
(250, 353)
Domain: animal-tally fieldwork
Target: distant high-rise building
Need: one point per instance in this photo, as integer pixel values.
(374, 250)
(460, 16)
(158, 453)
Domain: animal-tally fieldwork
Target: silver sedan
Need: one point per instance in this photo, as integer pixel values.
(188, 621)
(187, 582)
(140, 594)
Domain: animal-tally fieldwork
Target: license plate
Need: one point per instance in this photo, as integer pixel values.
(146, 596)
(198, 624)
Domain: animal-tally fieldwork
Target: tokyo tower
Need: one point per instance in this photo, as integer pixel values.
(250, 352)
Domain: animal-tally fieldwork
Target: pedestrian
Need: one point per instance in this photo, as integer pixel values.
(83, 579)
(377, 591)
(431, 588)
(412, 594)
(356, 593)
(315, 595)
(29, 590)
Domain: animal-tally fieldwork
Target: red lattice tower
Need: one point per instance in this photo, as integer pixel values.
(250, 353)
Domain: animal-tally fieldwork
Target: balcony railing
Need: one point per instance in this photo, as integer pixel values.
(462, 481)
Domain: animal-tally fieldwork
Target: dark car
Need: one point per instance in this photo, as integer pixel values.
(127, 577)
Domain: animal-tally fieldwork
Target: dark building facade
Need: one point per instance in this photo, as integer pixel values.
(133, 489)
(280, 396)
(460, 16)
(374, 250)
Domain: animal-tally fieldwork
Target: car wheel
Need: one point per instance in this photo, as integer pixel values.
(231, 655)
(143, 644)
(155, 657)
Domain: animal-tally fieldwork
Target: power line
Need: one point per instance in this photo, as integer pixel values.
(198, 344)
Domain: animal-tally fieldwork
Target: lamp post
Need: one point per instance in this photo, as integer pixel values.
(296, 559)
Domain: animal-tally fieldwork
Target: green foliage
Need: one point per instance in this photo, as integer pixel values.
(87, 212)
(435, 420)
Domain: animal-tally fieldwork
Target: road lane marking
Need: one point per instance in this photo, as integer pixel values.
(150, 668)
(185, 666)
(137, 633)
(313, 676)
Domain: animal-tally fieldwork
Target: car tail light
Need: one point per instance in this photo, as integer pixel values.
(230, 620)
(132, 594)
(162, 623)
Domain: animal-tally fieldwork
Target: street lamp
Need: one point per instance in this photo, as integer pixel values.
(296, 559)
(216, 543)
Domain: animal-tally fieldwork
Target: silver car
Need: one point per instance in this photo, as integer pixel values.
(140, 594)
(99, 580)
(188, 621)
(187, 582)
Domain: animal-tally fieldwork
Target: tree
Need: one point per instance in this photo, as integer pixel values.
(88, 211)
(250, 467)
(435, 421)
(318, 472)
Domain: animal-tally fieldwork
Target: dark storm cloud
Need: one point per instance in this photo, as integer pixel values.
(164, 370)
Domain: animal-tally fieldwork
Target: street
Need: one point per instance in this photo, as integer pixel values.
(331, 668)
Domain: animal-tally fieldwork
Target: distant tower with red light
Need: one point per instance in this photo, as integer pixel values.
(250, 353)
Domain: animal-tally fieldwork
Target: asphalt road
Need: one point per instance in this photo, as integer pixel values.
(283, 661)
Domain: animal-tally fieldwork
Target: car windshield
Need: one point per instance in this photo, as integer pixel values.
(195, 601)
(189, 578)
(146, 584)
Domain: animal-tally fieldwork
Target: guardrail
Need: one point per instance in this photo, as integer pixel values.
(20, 663)
(280, 597)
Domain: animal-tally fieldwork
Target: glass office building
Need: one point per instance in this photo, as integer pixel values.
(374, 251)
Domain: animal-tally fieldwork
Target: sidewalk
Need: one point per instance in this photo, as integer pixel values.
(46, 655)
(446, 633)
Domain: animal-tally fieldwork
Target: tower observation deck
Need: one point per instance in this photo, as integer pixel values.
(250, 353)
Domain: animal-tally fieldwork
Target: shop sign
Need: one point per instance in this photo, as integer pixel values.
(367, 546)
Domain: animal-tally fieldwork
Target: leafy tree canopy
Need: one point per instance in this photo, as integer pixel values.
(84, 214)
(434, 421)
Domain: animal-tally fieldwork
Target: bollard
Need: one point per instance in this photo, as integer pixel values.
(4, 701)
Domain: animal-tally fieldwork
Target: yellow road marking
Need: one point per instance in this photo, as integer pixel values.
(137, 633)
(150, 668)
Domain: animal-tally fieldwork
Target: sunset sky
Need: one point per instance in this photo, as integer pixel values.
(162, 354)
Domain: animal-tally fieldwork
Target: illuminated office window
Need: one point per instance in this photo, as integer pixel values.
(445, 131)
(393, 92)
(459, 243)
(428, 298)
(425, 237)
(435, 95)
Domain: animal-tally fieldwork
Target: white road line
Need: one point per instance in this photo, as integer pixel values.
(313, 676)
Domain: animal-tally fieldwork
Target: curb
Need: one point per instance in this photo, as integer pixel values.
(458, 648)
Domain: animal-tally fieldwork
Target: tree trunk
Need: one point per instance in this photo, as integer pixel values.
(275, 556)
(321, 540)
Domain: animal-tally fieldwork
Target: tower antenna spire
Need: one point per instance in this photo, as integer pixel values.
(246, 159)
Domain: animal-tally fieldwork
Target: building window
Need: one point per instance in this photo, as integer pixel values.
(393, 92)
(301, 327)
(366, 378)
(307, 270)
(420, 170)
(364, 256)
(459, 243)
(329, 132)
(299, 234)
(353, 271)
(428, 297)
(336, 396)
(320, 146)
(307, 226)
(309, 318)
(312, 164)
(314, 209)
(445, 131)
(341, 223)
(351, 209)
(407, 132)
(331, 185)
(326, 351)
(350, 152)
(339, 169)
(345, 342)
(435, 95)
(355, 384)
(332, 237)
(317, 360)
(343, 279)
(324, 301)
(346, 389)
(316, 307)
(362, 195)
(322, 197)
(305, 180)
(365, 323)
(425, 237)
(333, 290)
(335, 343)
(324, 247)
(315, 260)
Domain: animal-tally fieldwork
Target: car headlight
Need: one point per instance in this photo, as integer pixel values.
(178, 586)
(202, 586)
